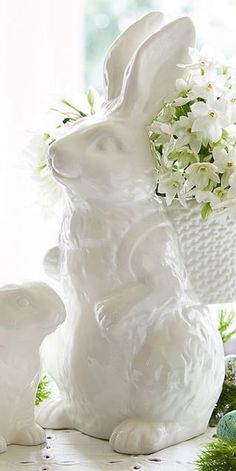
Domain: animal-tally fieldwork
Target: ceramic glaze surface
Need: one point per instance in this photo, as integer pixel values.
(138, 361)
(28, 313)
(208, 249)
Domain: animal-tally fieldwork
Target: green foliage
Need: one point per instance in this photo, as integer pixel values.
(227, 321)
(78, 113)
(226, 403)
(206, 211)
(183, 110)
(91, 101)
(43, 391)
(227, 399)
(218, 455)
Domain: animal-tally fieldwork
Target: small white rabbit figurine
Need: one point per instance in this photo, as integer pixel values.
(140, 363)
(28, 313)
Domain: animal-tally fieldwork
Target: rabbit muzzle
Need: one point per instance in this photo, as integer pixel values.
(58, 164)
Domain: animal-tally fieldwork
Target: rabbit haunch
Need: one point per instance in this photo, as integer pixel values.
(141, 362)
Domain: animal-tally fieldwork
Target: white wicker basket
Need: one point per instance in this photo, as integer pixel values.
(209, 252)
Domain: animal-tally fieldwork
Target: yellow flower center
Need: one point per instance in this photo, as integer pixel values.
(233, 100)
(220, 194)
(230, 164)
(176, 185)
(189, 130)
(202, 169)
(212, 114)
(210, 85)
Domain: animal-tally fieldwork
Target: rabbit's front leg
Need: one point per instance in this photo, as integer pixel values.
(110, 309)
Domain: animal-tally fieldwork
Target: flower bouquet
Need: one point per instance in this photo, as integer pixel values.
(194, 137)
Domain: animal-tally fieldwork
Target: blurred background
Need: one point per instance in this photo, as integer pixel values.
(50, 49)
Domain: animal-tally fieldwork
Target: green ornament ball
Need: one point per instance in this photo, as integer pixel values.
(226, 428)
(230, 371)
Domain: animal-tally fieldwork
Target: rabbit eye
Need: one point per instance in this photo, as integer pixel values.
(100, 146)
(23, 301)
(109, 143)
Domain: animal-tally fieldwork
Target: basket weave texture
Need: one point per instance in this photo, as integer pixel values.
(208, 249)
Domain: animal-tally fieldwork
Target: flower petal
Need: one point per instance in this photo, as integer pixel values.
(199, 109)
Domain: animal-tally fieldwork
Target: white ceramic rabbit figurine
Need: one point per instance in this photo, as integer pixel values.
(28, 313)
(138, 361)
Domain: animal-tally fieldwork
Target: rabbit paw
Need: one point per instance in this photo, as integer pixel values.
(107, 314)
(54, 414)
(33, 435)
(3, 444)
(138, 436)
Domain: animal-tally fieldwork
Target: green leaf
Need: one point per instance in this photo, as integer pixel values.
(91, 100)
(46, 136)
(42, 166)
(227, 322)
(226, 403)
(218, 455)
(67, 103)
(206, 211)
(43, 391)
(154, 136)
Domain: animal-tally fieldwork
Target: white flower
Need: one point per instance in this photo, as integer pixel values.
(209, 84)
(37, 151)
(203, 196)
(210, 118)
(224, 161)
(200, 174)
(219, 194)
(231, 134)
(164, 131)
(232, 183)
(231, 111)
(184, 86)
(171, 185)
(227, 208)
(183, 130)
(205, 59)
(48, 193)
(167, 149)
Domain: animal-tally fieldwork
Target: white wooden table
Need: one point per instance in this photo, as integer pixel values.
(70, 450)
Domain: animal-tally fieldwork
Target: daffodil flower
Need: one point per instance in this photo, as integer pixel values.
(184, 132)
(209, 85)
(171, 185)
(225, 162)
(232, 184)
(200, 174)
(210, 118)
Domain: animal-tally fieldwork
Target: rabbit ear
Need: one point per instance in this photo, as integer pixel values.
(123, 48)
(150, 77)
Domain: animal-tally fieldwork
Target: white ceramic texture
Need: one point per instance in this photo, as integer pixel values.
(208, 249)
(70, 450)
(138, 361)
(28, 313)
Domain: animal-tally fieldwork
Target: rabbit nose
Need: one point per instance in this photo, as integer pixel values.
(52, 153)
(56, 159)
(63, 162)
